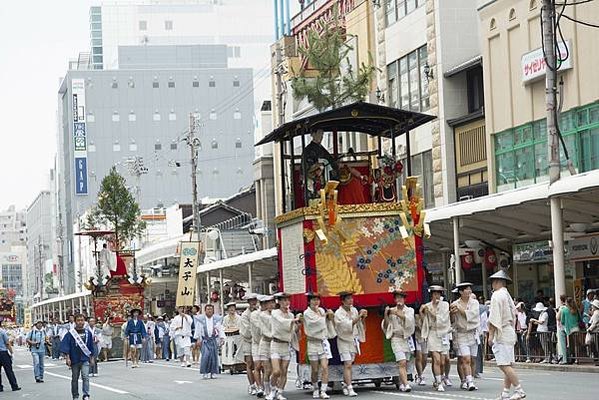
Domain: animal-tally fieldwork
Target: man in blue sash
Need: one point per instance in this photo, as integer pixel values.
(136, 332)
(210, 336)
(78, 349)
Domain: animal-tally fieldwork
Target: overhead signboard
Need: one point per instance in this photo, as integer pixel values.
(584, 248)
(533, 65)
(190, 252)
(79, 136)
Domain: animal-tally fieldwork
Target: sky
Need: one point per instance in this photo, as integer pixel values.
(37, 38)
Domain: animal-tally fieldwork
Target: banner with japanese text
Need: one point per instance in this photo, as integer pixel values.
(187, 273)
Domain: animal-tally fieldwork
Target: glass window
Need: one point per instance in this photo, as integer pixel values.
(157, 146)
(505, 171)
(143, 25)
(392, 85)
(391, 11)
(523, 135)
(404, 91)
(211, 83)
(214, 144)
(427, 176)
(541, 165)
(424, 97)
(589, 150)
(539, 130)
(213, 115)
(414, 81)
(155, 85)
(116, 147)
(132, 117)
(172, 116)
(504, 140)
(237, 114)
(171, 84)
(583, 117)
(114, 85)
(238, 143)
(411, 5)
(195, 84)
(236, 83)
(168, 25)
(173, 146)
(156, 116)
(571, 145)
(116, 117)
(133, 146)
(401, 9)
(593, 115)
(525, 166)
(91, 117)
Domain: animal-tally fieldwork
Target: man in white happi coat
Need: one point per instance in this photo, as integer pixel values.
(267, 304)
(399, 325)
(465, 319)
(284, 328)
(435, 330)
(181, 333)
(319, 327)
(245, 330)
(231, 322)
(255, 327)
(502, 335)
(351, 331)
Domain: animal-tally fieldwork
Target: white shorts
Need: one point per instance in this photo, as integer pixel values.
(504, 354)
(317, 356)
(402, 356)
(465, 350)
(435, 344)
(279, 351)
(421, 346)
(347, 356)
(107, 344)
(135, 346)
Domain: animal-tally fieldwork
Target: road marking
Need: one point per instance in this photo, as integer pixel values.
(183, 382)
(179, 367)
(437, 395)
(29, 366)
(108, 388)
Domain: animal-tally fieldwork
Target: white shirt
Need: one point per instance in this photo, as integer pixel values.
(542, 327)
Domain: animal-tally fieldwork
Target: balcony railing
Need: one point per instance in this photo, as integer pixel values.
(315, 6)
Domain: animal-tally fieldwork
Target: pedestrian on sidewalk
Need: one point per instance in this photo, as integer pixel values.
(54, 336)
(78, 348)
(159, 332)
(570, 319)
(6, 353)
(166, 340)
(502, 335)
(37, 340)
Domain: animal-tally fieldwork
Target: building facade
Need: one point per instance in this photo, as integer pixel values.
(39, 247)
(135, 118)
(13, 229)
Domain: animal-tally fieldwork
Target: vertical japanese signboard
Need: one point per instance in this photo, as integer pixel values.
(79, 136)
(187, 273)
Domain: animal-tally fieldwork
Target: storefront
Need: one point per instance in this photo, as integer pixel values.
(584, 254)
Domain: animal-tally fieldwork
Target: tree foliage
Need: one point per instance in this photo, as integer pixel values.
(326, 50)
(117, 210)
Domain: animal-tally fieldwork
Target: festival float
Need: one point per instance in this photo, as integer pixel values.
(352, 222)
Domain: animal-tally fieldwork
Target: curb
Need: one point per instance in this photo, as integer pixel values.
(545, 367)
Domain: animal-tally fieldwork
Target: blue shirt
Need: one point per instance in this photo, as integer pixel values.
(586, 310)
(40, 337)
(69, 346)
(4, 340)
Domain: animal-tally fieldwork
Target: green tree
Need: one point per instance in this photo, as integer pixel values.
(117, 210)
(325, 51)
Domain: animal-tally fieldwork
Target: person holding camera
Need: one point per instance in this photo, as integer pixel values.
(37, 341)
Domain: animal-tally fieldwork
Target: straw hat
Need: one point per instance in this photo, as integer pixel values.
(501, 274)
(436, 288)
(539, 307)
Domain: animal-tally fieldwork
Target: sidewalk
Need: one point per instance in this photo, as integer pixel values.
(545, 367)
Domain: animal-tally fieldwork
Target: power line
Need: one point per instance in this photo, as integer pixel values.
(590, 25)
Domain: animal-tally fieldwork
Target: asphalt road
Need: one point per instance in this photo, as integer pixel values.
(162, 380)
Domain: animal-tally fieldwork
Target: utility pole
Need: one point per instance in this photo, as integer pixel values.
(193, 142)
(41, 267)
(557, 228)
(278, 70)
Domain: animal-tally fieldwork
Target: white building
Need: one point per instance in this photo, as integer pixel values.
(12, 228)
(246, 27)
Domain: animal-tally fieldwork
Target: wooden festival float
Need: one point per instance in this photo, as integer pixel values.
(329, 244)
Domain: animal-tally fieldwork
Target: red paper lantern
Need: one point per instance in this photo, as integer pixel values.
(490, 259)
(467, 260)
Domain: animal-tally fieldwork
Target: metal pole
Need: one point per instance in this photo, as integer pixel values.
(250, 288)
(192, 142)
(222, 284)
(557, 229)
(456, 250)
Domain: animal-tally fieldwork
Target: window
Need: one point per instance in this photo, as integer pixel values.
(168, 25)
(143, 25)
(213, 115)
(238, 143)
(422, 165)
(237, 114)
(131, 83)
(407, 83)
(173, 146)
(157, 146)
(239, 171)
(236, 83)
(214, 144)
(116, 146)
(132, 145)
(195, 84)
(155, 85)
(156, 116)
(521, 153)
(116, 117)
(91, 117)
(91, 147)
(215, 171)
(212, 83)
(171, 85)
(132, 117)
(397, 9)
(172, 116)
(476, 97)
(114, 84)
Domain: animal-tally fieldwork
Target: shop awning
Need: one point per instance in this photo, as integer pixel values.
(159, 251)
(263, 264)
(67, 297)
(520, 215)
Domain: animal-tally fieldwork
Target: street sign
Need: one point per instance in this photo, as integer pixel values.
(187, 273)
